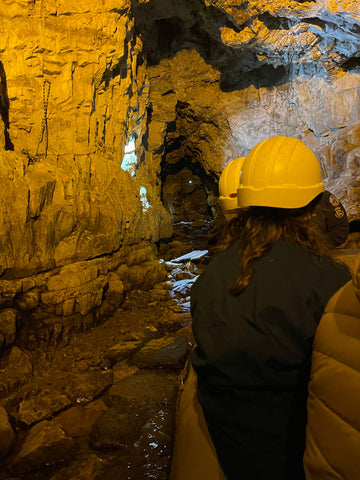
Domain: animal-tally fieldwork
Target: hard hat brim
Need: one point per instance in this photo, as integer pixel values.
(280, 197)
(228, 204)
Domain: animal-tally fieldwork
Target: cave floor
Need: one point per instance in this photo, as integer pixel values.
(112, 390)
(102, 406)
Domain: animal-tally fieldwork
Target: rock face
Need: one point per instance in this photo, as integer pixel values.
(254, 42)
(50, 306)
(112, 111)
(68, 209)
(225, 75)
(73, 92)
(213, 127)
(67, 81)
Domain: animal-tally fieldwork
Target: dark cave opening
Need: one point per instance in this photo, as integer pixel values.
(352, 64)
(188, 192)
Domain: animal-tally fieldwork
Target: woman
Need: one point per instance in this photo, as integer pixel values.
(255, 311)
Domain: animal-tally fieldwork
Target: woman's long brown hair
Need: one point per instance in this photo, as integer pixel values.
(259, 228)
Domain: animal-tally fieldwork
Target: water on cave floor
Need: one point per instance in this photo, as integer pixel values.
(121, 416)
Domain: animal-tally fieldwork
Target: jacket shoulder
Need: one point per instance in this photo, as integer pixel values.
(334, 391)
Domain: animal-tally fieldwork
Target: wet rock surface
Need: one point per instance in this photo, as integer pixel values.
(102, 404)
(45, 444)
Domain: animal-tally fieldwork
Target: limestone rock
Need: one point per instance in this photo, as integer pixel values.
(123, 371)
(143, 389)
(83, 388)
(8, 290)
(45, 444)
(160, 292)
(17, 370)
(340, 161)
(88, 468)
(115, 291)
(183, 287)
(179, 274)
(145, 276)
(29, 300)
(246, 117)
(8, 326)
(70, 74)
(241, 37)
(122, 350)
(19, 361)
(145, 252)
(281, 68)
(85, 298)
(169, 351)
(73, 275)
(41, 407)
(226, 124)
(81, 217)
(187, 332)
(77, 421)
(44, 328)
(71, 198)
(6, 433)
(184, 196)
(116, 428)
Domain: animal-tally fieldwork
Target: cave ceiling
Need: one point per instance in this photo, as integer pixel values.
(256, 43)
(241, 71)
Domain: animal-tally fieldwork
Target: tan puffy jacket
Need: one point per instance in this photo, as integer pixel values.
(333, 430)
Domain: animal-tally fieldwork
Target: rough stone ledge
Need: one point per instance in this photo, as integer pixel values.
(49, 305)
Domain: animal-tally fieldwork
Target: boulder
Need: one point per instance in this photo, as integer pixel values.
(85, 387)
(115, 290)
(6, 433)
(8, 326)
(42, 406)
(45, 444)
(143, 389)
(121, 351)
(78, 421)
(88, 468)
(116, 428)
(170, 351)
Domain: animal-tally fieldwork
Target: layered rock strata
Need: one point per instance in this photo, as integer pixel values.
(73, 92)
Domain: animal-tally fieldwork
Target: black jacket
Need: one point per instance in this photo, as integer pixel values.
(331, 218)
(253, 357)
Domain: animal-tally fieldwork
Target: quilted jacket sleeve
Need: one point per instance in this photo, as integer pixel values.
(333, 430)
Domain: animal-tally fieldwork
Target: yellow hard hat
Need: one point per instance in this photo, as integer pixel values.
(279, 172)
(228, 184)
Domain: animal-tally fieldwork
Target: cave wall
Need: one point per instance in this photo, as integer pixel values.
(70, 58)
(100, 102)
(234, 73)
(214, 127)
(74, 225)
